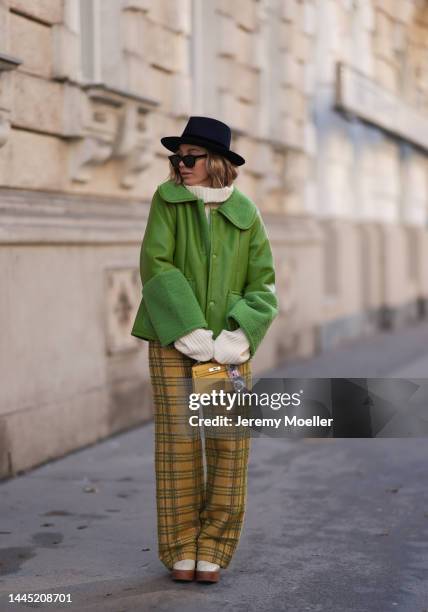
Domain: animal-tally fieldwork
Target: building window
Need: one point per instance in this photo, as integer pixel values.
(100, 42)
(90, 40)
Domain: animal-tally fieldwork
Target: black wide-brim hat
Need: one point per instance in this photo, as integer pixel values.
(207, 132)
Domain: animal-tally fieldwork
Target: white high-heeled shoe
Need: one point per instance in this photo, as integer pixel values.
(184, 570)
(207, 571)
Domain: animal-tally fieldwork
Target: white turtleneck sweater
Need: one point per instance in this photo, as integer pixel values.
(229, 346)
(211, 196)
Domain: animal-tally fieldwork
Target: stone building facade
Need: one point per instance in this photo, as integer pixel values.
(328, 102)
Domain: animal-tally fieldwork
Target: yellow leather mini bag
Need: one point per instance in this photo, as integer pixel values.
(209, 375)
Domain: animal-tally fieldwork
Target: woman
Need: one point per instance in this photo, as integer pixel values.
(208, 294)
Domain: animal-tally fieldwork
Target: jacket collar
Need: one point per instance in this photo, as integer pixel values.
(238, 208)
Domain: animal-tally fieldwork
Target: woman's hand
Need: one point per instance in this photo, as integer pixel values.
(231, 347)
(198, 344)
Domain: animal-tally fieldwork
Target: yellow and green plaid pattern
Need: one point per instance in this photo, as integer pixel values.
(196, 519)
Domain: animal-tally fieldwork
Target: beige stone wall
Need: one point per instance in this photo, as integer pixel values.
(336, 159)
(371, 181)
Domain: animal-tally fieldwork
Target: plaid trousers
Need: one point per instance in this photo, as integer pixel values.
(197, 518)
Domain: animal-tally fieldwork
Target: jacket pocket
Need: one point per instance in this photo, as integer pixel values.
(234, 296)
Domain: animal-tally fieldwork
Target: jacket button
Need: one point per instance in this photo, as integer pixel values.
(214, 256)
(212, 303)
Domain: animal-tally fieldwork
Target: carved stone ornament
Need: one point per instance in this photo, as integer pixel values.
(123, 294)
(108, 124)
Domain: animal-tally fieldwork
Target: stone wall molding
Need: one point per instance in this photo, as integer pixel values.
(8, 63)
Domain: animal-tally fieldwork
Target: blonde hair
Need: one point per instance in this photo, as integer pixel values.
(221, 171)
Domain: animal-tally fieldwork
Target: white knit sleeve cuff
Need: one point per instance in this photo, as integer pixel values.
(239, 338)
(232, 347)
(197, 344)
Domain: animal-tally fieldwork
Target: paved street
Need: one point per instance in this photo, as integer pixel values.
(401, 354)
(332, 525)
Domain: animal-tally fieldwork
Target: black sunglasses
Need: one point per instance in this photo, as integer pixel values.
(188, 160)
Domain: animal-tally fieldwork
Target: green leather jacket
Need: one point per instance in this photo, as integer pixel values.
(194, 274)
